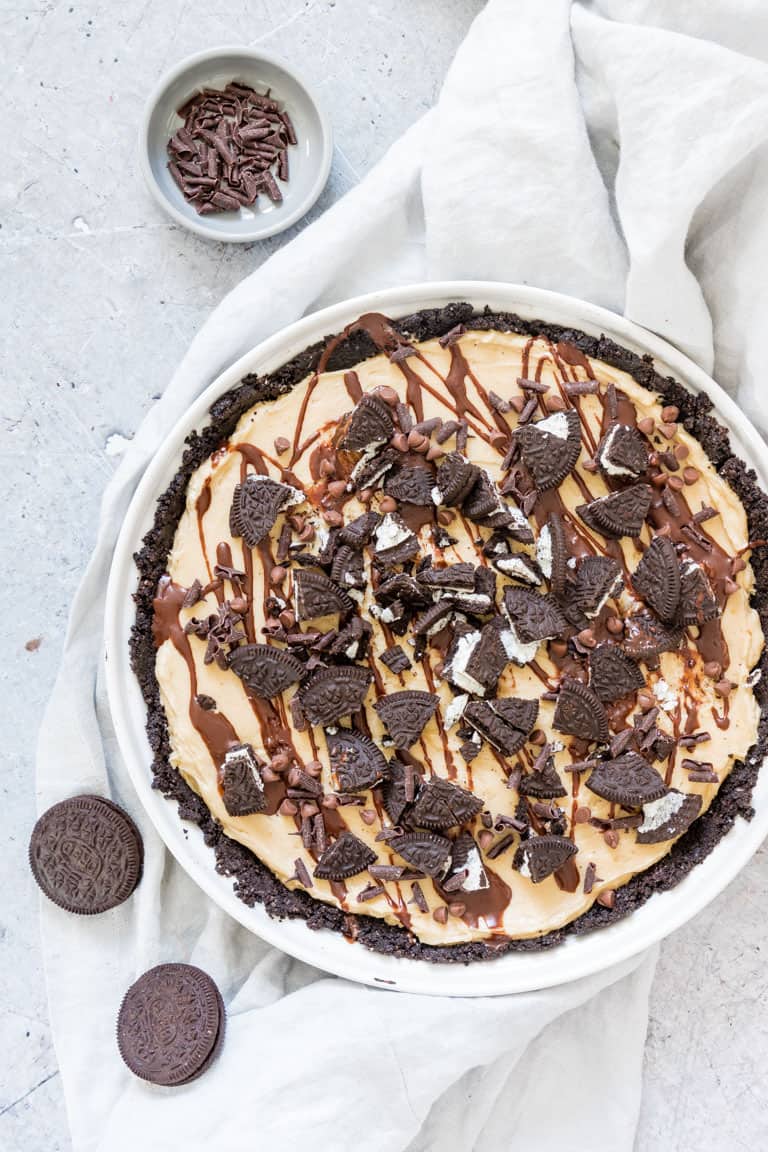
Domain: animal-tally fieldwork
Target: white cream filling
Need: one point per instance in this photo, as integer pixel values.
(656, 813)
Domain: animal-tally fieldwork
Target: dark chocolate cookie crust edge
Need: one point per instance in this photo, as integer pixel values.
(253, 882)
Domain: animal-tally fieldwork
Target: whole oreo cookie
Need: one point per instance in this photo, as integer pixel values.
(405, 714)
(540, 856)
(551, 448)
(579, 712)
(344, 858)
(171, 1024)
(86, 854)
(657, 578)
(629, 780)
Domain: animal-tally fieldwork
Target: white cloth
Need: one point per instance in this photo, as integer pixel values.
(594, 151)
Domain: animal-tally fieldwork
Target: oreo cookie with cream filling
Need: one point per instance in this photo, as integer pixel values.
(551, 447)
(622, 453)
(370, 425)
(242, 788)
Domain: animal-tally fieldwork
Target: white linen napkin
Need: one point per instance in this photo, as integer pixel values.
(593, 151)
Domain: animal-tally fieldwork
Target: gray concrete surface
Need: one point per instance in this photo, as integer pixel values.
(101, 295)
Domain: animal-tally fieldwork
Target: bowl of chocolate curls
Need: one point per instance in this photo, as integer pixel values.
(234, 146)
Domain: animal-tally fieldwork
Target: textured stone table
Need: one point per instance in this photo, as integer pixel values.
(101, 296)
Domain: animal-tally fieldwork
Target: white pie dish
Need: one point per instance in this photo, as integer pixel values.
(515, 971)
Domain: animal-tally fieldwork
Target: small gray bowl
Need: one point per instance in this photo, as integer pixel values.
(310, 159)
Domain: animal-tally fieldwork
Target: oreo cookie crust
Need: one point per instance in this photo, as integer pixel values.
(254, 882)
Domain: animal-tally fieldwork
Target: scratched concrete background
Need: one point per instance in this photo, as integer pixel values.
(100, 297)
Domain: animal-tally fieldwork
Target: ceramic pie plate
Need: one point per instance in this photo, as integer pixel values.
(578, 956)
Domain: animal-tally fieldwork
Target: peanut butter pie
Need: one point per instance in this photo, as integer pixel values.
(450, 633)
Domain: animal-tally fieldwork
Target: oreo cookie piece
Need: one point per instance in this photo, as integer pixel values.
(315, 595)
(256, 504)
(657, 578)
(628, 780)
(540, 856)
(333, 693)
(622, 452)
(434, 619)
(613, 674)
(598, 578)
(345, 857)
(477, 658)
(266, 671)
(404, 587)
(396, 659)
(516, 566)
(395, 542)
(620, 513)
(405, 714)
(355, 760)
(242, 788)
(543, 783)
(395, 791)
(533, 616)
(505, 724)
(410, 485)
(454, 481)
(552, 554)
(466, 858)
(645, 637)
(427, 851)
(369, 469)
(484, 499)
(551, 447)
(668, 817)
(171, 1024)
(579, 712)
(697, 599)
(86, 855)
(442, 805)
(358, 532)
(348, 568)
(369, 426)
(352, 640)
